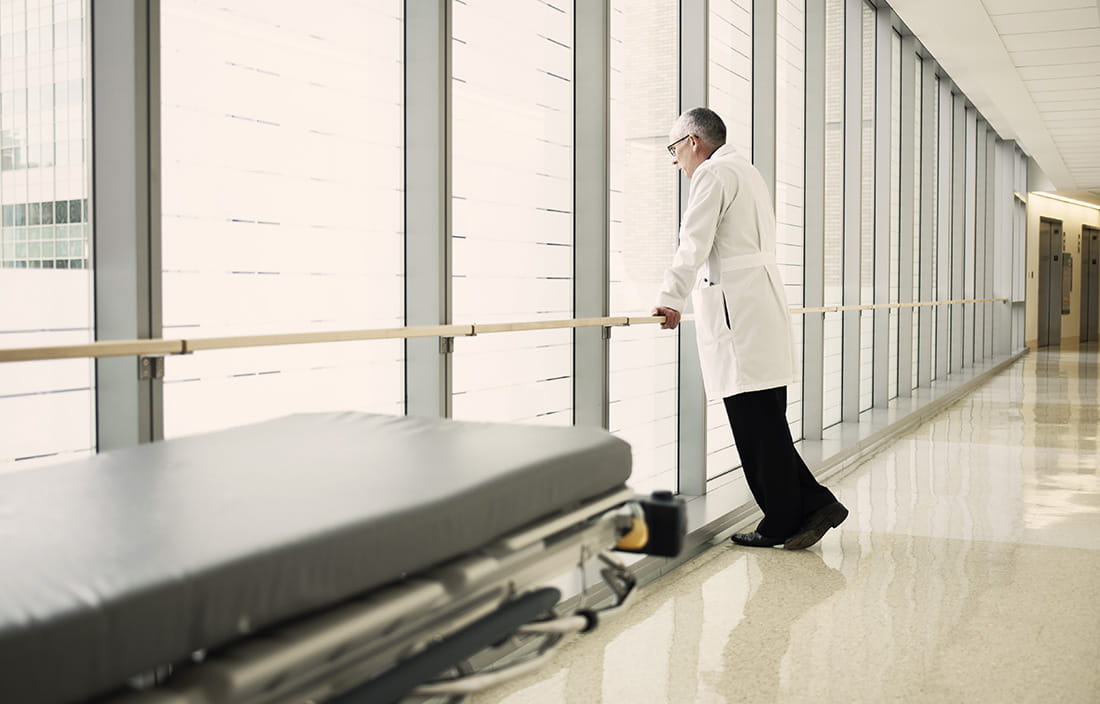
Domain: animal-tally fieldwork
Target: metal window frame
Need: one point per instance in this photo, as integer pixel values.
(907, 216)
(813, 253)
(980, 239)
(591, 209)
(993, 322)
(958, 229)
(928, 215)
(692, 402)
(124, 47)
(1002, 245)
(428, 226)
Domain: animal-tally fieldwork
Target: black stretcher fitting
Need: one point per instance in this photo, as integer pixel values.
(666, 516)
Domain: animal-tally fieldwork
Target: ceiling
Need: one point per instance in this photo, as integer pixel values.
(1032, 68)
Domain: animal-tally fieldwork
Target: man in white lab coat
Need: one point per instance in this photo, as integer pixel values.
(726, 260)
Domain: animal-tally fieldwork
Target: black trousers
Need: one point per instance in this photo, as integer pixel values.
(779, 480)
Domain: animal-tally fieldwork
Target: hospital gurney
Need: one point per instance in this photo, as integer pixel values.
(318, 557)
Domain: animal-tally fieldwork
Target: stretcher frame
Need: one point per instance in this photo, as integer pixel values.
(346, 653)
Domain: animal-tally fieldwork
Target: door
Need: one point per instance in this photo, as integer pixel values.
(1090, 284)
(1050, 282)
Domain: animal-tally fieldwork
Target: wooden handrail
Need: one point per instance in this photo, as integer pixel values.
(124, 348)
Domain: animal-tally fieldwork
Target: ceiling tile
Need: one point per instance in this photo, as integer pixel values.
(1037, 88)
(1004, 7)
(1061, 118)
(1031, 66)
(1061, 39)
(1058, 134)
(1032, 73)
(1083, 104)
(1050, 57)
(1047, 20)
(1049, 100)
(1075, 114)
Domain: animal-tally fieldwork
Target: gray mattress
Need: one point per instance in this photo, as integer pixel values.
(133, 558)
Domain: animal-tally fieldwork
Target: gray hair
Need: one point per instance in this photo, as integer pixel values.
(704, 124)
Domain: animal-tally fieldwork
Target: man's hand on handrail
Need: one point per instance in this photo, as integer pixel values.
(672, 317)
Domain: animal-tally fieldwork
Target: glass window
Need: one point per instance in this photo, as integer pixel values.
(729, 94)
(790, 159)
(969, 262)
(943, 233)
(512, 208)
(276, 117)
(867, 214)
(46, 408)
(833, 266)
(644, 201)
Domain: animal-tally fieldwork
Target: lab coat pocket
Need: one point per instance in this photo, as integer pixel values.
(717, 360)
(711, 314)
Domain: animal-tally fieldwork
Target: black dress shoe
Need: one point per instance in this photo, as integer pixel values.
(755, 540)
(814, 527)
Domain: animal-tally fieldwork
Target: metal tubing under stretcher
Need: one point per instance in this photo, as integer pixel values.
(323, 656)
(405, 676)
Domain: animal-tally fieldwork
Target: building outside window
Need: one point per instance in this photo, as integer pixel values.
(46, 408)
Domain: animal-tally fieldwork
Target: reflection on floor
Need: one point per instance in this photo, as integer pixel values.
(968, 571)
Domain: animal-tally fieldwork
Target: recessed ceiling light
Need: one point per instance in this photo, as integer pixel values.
(1068, 200)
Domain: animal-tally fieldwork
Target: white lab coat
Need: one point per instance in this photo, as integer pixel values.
(726, 259)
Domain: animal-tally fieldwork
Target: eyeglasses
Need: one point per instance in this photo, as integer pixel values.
(672, 147)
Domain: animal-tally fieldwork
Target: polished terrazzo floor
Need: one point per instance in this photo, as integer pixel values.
(968, 571)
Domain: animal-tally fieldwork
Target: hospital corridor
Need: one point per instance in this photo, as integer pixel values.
(549, 351)
(968, 571)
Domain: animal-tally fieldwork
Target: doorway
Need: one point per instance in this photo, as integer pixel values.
(1050, 282)
(1090, 284)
